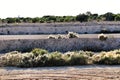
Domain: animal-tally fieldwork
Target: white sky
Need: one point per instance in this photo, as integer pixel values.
(38, 8)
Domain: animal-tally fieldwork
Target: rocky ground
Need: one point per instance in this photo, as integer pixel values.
(88, 72)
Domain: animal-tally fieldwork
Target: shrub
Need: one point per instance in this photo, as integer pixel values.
(88, 53)
(51, 37)
(76, 58)
(38, 51)
(108, 58)
(102, 37)
(41, 60)
(60, 37)
(55, 59)
(28, 60)
(72, 35)
(40, 57)
(11, 59)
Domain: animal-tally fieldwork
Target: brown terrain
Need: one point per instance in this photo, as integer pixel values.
(89, 72)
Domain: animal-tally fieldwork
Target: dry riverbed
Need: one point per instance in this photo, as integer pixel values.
(88, 72)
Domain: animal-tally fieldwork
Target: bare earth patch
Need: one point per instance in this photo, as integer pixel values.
(61, 73)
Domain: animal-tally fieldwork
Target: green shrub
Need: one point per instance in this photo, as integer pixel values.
(108, 58)
(40, 57)
(38, 51)
(76, 58)
(41, 60)
(55, 59)
(102, 37)
(72, 35)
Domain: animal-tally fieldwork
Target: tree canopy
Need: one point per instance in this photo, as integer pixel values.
(84, 17)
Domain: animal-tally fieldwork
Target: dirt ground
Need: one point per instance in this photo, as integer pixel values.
(88, 72)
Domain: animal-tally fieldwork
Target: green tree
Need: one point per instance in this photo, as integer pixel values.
(109, 16)
(27, 20)
(36, 20)
(117, 17)
(49, 18)
(11, 20)
(94, 16)
(82, 18)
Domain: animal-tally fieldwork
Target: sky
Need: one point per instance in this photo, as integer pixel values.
(39, 8)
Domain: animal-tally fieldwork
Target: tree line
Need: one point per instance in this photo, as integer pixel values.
(84, 17)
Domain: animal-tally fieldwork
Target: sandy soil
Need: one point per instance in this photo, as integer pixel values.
(61, 73)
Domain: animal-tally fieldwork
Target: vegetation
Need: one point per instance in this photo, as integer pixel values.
(84, 17)
(40, 57)
(69, 35)
(102, 37)
(108, 58)
(72, 35)
(51, 37)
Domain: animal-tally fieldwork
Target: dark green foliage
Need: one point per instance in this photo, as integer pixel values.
(36, 20)
(117, 17)
(109, 16)
(55, 59)
(78, 59)
(94, 16)
(82, 17)
(11, 20)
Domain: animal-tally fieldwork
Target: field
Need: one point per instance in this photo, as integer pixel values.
(82, 72)
(61, 73)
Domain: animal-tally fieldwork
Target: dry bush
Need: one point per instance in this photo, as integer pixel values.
(72, 35)
(51, 37)
(11, 59)
(108, 58)
(102, 37)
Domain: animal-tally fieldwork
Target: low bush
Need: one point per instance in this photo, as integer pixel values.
(55, 59)
(38, 51)
(77, 58)
(102, 37)
(51, 37)
(41, 57)
(60, 37)
(108, 58)
(72, 35)
(11, 59)
(28, 60)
